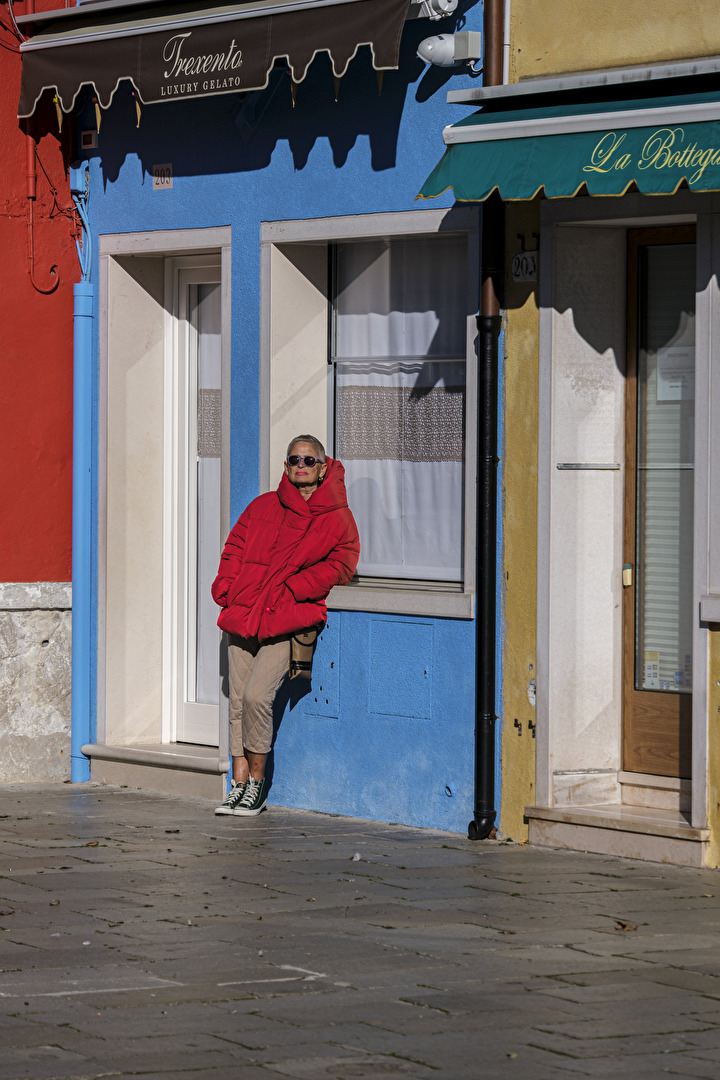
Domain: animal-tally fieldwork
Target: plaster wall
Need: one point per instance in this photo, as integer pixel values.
(608, 35)
(299, 306)
(388, 730)
(588, 345)
(519, 510)
(713, 809)
(36, 355)
(39, 266)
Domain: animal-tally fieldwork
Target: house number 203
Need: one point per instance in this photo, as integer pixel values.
(162, 177)
(525, 266)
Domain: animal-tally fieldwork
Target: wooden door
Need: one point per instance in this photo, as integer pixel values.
(658, 518)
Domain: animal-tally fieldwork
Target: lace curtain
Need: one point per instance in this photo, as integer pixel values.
(399, 351)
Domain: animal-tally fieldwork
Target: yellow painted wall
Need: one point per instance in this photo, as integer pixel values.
(615, 33)
(519, 510)
(713, 858)
(572, 36)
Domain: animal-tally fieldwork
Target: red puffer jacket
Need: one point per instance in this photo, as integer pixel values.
(283, 557)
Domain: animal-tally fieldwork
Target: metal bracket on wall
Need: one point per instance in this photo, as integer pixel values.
(603, 466)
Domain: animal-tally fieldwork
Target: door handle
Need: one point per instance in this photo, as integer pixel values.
(627, 576)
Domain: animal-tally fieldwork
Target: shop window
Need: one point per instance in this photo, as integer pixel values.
(398, 360)
(368, 335)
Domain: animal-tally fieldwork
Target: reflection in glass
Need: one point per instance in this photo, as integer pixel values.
(665, 461)
(204, 664)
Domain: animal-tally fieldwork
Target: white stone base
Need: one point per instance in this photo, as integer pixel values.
(172, 768)
(35, 671)
(150, 778)
(660, 792)
(635, 833)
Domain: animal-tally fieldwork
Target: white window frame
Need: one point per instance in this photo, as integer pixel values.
(409, 598)
(180, 496)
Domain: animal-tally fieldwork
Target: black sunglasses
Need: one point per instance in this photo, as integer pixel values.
(295, 459)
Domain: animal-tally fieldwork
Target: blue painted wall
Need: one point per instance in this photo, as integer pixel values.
(388, 730)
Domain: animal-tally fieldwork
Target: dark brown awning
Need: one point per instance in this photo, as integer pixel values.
(188, 51)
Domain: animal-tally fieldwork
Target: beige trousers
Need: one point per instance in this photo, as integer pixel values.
(255, 674)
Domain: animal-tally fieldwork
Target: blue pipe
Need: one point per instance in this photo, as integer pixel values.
(84, 295)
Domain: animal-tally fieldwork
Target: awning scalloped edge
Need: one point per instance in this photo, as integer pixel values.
(161, 68)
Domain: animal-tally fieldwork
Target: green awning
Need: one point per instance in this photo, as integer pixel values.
(650, 145)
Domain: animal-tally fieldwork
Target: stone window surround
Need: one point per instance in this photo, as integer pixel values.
(389, 597)
(132, 762)
(638, 211)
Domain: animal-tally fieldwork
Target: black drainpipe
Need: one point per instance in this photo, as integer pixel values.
(488, 323)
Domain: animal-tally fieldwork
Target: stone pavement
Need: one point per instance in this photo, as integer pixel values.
(142, 936)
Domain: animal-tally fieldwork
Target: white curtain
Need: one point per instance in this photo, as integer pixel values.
(400, 318)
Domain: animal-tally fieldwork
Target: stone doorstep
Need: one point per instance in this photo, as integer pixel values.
(616, 829)
(202, 759)
(661, 792)
(169, 768)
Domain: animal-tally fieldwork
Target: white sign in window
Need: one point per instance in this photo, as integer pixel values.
(676, 373)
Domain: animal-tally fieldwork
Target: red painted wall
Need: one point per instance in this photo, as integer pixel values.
(36, 341)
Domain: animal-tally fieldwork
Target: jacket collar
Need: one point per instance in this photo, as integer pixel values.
(330, 495)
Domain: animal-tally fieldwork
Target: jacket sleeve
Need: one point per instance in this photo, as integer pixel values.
(315, 582)
(230, 560)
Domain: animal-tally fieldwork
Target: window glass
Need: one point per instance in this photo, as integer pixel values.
(400, 310)
(207, 318)
(665, 468)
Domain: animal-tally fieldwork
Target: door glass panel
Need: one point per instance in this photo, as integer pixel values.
(203, 665)
(664, 478)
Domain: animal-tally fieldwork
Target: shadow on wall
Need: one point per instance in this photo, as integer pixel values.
(596, 299)
(288, 697)
(235, 133)
(596, 314)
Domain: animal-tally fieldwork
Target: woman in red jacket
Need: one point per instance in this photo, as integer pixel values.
(284, 555)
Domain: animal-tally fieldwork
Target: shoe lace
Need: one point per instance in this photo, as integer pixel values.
(234, 794)
(251, 792)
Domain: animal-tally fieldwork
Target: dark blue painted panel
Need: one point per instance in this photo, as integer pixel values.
(384, 767)
(401, 660)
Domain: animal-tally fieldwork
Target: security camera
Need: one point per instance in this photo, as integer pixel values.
(449, 50)
(438, 50)
(436, 9)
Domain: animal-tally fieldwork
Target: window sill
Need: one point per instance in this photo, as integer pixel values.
(399, 601)
(710, 608)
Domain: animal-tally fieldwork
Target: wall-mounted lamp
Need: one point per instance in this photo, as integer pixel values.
(434, 9)
(450, 50)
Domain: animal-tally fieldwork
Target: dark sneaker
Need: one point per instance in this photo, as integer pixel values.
(253, 800)
(232, 798)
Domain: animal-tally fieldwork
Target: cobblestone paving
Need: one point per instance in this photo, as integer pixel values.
(142, 936)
